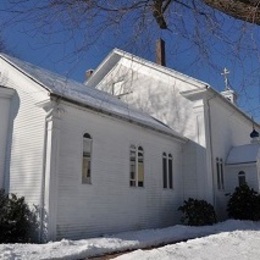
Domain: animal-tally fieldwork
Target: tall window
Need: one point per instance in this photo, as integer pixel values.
(241, 178)
(220, 173)
(136, 166)
(167, 171)
(86, 163)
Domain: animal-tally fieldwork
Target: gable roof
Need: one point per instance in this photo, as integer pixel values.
(91, 98)
(201, 87)
(114, 57)
(243, 154)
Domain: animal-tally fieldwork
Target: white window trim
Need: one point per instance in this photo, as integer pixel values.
(220, 173)
(87, 180)
(241, 174)
(135, 149)
(169, 183)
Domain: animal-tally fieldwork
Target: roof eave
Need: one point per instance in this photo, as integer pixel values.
(25, 73)
(116, 54)
(100, 110)
(208, 93)
(241, 163)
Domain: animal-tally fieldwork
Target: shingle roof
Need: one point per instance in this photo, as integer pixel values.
(93, 98)
(244, 154)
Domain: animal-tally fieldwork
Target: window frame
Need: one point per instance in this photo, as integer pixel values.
(241, 174)
(86, 172)
(137, 169)
(220, 173)
(167, 171)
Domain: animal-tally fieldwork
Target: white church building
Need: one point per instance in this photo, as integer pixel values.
(122, 151)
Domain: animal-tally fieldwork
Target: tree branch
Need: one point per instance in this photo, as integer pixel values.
(246, 10)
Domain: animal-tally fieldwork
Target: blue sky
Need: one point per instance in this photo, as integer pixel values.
(54, 51)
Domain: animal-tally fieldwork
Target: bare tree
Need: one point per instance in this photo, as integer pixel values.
(131, 20)
(246, 10)
(2, 47)
(202, 24)
(138, 16)
(210, 28)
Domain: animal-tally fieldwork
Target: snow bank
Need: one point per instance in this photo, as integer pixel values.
(79, 249)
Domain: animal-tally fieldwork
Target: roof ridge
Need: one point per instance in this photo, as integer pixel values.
(74, 91)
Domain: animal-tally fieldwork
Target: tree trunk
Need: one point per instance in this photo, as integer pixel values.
(246, 10)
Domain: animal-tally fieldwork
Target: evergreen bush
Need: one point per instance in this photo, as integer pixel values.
(244, 204)
(18, 224)
(197, 213)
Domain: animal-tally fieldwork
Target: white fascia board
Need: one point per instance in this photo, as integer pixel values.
(171, 134)
(210, 93)
(253, 163)
(195, 94)
(104, 68)
(10, 63)
(165, 70)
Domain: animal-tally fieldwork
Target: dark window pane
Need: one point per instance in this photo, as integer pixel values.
(164, 172)
(218, 174)
(170, 174)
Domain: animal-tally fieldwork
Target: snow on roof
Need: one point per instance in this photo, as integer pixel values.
(91, 97)
(244, 154)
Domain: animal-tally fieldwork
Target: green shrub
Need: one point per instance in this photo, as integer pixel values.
(244, 204)
(197, 213)
(18, 224)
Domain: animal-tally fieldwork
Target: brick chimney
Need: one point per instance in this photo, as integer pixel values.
(160, 52)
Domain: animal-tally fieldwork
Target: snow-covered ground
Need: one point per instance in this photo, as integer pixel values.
(227, 240)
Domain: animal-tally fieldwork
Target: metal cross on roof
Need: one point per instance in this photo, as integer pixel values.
(225, 75)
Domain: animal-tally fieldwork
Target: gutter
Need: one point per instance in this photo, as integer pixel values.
(211, 152)
(122, 118)
(241, 164)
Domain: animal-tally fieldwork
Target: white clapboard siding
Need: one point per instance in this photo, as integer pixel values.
(24, 157)
(153, 92)
(229, 128)
(157, 91)
(109, 204)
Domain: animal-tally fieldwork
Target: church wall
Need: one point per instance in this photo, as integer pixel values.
(24, 151)
(109, 204)
(229, 128)
(232, 177)
(158, 94)
(153, 92)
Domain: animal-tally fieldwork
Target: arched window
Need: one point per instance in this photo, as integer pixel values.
(136, 166)
(167, 167)
(140, 167)
(220, 173)
(164, 165)
(170, 171)
(86, 162)
(241, 178)
(132, 165)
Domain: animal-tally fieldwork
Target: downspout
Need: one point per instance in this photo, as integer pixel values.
(42, 195)
(211, 151)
